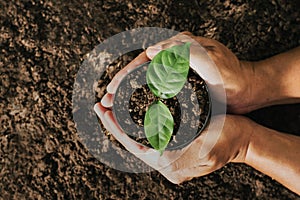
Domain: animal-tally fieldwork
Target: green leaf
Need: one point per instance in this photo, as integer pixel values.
(158, 125)
(168, 71)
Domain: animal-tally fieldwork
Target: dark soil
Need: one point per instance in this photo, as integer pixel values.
(190, 108)
(43, 44)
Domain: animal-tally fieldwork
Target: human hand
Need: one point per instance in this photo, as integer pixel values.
(225, 74)
(228, 73)
(207, 153)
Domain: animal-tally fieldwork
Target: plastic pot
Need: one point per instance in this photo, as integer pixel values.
(191, 108)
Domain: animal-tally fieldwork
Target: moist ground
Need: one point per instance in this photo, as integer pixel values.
(43, 44)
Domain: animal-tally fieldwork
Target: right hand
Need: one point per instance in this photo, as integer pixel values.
(230, 80)
(232, 75)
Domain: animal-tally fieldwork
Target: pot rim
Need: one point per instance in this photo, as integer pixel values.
(175, 147)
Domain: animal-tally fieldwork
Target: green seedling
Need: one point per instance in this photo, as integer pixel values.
(166, 76)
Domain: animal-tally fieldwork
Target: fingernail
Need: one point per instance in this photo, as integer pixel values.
(97, 109)
(152, 51)
(107, 100)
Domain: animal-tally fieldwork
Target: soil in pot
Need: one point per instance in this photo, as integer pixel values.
(190, 108)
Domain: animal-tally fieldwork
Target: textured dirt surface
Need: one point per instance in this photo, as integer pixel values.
(43, 44)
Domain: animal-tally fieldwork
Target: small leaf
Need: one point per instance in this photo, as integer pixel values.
(168, 71)
(158, 125)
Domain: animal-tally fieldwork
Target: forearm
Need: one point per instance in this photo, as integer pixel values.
(276, 155)
(277, 79)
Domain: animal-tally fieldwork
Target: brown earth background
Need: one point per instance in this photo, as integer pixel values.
(43, 43)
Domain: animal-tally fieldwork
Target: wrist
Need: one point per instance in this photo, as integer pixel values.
(275, 83)
(278, 79)
(245, 128)
(254, 92)
(267, 85)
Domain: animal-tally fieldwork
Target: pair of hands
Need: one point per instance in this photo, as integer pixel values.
(203, 155)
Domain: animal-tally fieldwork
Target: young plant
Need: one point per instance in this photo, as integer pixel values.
(166, 76)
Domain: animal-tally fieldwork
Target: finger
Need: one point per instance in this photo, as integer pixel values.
(173, 41)
(148, 155)
(131, 145)
(178, 39)
(100, 110)
(200, 60)
(140, 59)
(196, 171)
(179, 176)
(112, 126)
(154, 50)
(107, 100)
(207, 43)
(165, 162)
(187, 33)
(182, 159)
(184, 172)
(200, 51)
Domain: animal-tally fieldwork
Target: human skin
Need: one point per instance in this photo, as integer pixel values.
(248, 86)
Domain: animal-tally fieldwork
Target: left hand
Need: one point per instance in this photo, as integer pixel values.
(207, 153)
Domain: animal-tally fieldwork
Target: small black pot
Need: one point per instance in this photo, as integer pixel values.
(191, 107)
